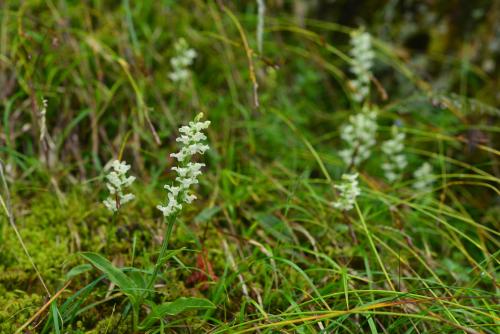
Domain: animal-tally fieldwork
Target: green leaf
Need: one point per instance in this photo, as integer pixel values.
(113, 273)
(70, 308)
(75, 271)
(55, 317)
(171, 254)
(172, 308)
(72, 305)
(138, 279)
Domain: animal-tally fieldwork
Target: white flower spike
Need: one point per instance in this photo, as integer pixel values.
(423, 178)
(181, 62)
(362, 62)
(349, 190)
(188, 172)
(117, 180)
(395, 158)
(359, 134)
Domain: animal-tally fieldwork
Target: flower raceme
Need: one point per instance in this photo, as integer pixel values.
(423, 178)
(359, 135)
(117, 181)
(191, 140)
(349, 190)
(395, 158)
(181, 62)
(362, 62)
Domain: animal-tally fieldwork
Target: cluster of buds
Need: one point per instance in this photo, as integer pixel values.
(191, 140)
(396, 159)
(348, 191)
(117, 181)
(181, 62)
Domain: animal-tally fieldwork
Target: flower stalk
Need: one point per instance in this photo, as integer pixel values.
(178, 193)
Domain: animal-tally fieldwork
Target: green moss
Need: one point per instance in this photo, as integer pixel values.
(47, 238)
(174, 289)
(16, 307)
(53, 231)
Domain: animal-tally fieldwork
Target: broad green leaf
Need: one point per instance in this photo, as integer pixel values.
(172, 308)
(113, 273)
(138, 279)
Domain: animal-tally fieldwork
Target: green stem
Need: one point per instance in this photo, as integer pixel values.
(135, 317)
(163, 250)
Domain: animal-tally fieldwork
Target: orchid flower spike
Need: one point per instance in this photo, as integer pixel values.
(192, 143)
(116, 181)
(349, 190)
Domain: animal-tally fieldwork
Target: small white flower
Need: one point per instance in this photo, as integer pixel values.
(120, 167)
(117, 181)
(188, 172)
(195, 168)
(180, 156)
(190, 150)
(197, 148)
(186, 183)
(110, 204)
(396, 160)
(349, 190)
(188, 198)
(181, 171)
(423, 178)
(172, 189)
(113, 180)
(126, 198)
(172, 206)
(190, 54)
(362, 62)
